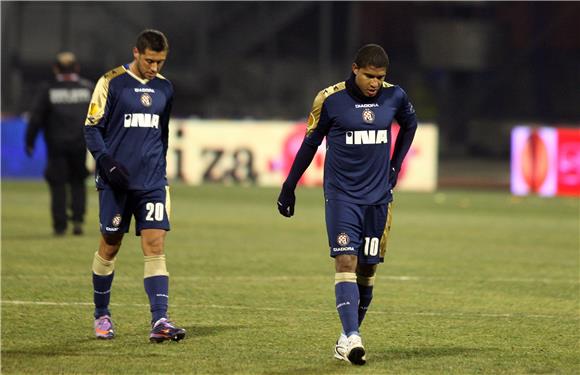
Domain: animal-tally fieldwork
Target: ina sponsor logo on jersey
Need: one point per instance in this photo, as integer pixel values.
(368, 116)
(146, 99)
(141, 120)
(366, 137)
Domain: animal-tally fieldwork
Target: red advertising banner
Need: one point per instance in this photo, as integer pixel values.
(568, 161)
(545, 161)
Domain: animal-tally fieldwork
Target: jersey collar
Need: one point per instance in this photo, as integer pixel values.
(354, 91)
(143, 81)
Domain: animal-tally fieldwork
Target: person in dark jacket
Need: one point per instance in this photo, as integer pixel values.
(59, 110)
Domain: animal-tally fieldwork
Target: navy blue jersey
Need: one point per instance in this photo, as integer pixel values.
(128, 119)
(358, 139)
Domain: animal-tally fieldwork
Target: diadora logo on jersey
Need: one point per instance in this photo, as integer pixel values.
(366, 137)
(368, 105)
(146, 100)
(368, 116)
(141, 120)
(144, 89)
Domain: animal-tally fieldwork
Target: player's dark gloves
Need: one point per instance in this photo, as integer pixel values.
(113, 172)
(286, 201)
(393, 175)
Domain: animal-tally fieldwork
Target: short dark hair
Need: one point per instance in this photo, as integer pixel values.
(155, 40)
(371, 55)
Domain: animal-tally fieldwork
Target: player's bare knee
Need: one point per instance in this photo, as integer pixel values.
(110, 245)
(153, 245)
(345, 263)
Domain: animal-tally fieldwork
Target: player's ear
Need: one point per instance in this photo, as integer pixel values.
(355, 68)
(135, 53)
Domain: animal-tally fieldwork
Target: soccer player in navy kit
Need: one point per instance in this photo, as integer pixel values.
(355, 116)
(127, 133)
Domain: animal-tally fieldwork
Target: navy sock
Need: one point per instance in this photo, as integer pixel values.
(366, 296)
(157, 289)
(347, 297)
(102, 293)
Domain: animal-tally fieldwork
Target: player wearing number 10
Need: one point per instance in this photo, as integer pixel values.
(355, 117)
(127, 133)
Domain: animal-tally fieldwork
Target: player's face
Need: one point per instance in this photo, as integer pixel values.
(148, 63)
(369, 79)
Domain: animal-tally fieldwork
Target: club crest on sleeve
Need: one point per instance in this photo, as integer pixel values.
(146, 99)
(342, 239)
(116, 220)
(368, 116)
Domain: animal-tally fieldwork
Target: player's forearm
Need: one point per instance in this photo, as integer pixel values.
(301, 162)
(95, 142)
(165, 140)
(403, 144)
(165, 126)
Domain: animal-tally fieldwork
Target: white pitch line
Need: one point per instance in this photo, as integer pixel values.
(292, 278)
(317, 311)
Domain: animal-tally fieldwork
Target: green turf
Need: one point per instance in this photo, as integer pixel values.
(474, 283)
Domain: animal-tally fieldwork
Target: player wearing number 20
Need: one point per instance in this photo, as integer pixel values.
(127, 133)
(355, 117)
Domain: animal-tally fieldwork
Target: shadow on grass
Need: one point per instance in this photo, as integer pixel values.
(380, 359)
(123, 343)
(299, 371)
(202, 331)
(386, 355)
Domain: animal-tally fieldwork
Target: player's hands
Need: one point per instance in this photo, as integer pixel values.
(29, 150)
(286, 201)
(393, 175)
(113, 172)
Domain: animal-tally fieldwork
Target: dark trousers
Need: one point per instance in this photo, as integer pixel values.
(66, 174)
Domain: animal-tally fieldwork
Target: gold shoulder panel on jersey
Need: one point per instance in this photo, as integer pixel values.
(115, 72)
(99, 98)
(387, 85)
(317, 105)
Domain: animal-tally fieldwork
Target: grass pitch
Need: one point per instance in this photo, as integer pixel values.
(473, 283)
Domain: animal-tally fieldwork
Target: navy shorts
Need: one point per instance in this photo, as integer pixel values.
(359, 230)
(150, 208)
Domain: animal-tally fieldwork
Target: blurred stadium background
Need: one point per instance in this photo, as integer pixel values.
(476, 281)
(476, 69)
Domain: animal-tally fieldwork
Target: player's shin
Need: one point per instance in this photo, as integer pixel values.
(103, 273)
(347, 297)
(156, 282)
(365, 289)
